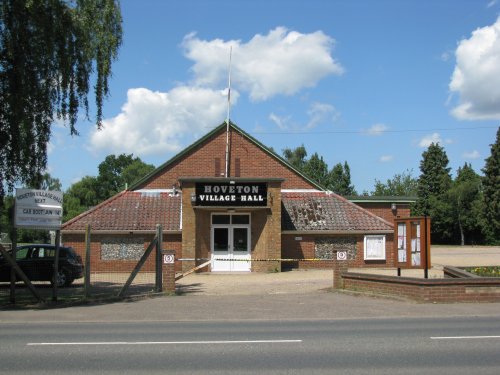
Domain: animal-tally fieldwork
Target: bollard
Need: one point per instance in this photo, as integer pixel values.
(168, 270)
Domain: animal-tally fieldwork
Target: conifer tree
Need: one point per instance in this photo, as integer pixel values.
(433, 184)
(491, 186)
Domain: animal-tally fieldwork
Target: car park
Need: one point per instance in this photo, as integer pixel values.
(37, 262)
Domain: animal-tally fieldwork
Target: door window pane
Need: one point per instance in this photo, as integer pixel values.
(221, 219)
(240, 239)
(240, 219)
(221, 242)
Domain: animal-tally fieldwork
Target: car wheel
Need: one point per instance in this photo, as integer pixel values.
(63, 278)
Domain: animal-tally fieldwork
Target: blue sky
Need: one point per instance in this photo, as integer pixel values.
(367, 82)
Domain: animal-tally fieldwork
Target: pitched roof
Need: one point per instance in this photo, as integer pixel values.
(211, 134)
(131, 211)
(324, 211)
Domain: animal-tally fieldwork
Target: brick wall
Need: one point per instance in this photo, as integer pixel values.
(201, 162)
(297, 246)
(426, 290)
(97, 264)
(384, 211)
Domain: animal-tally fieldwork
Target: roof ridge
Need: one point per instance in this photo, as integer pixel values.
(92, 209)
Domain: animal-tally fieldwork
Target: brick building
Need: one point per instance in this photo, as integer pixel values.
(229, 199)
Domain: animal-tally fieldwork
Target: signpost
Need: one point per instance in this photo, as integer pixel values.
(39, 209)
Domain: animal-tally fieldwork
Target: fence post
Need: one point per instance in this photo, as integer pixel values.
(159, 236)
(12, 272)
(86, 285)
(169, 271)
(56, 265)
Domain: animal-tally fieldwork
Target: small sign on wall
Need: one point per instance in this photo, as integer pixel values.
(168, 259)
(341, 255)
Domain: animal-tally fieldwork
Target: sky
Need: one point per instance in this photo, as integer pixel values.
(369, 82)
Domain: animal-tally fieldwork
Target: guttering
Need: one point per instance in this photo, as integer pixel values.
(343, 232)
(123, 231)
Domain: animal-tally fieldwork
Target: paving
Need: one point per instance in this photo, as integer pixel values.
(289, 295)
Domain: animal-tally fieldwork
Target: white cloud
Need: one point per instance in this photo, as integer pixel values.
(155, 123)
(376, 130)
(281, 62)
(471, 155)
(280, 121)
(386, 158)
(321, 112)
(317, 113)
(491, 3)
(433, 138)
(428, 139)
(476, 77)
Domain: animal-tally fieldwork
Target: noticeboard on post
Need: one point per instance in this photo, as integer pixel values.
(38, 209)
(413, 242)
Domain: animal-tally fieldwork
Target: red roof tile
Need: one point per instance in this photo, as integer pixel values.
(326, 211)
(131, 211)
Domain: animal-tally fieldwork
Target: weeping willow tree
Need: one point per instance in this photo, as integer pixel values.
(54, 55)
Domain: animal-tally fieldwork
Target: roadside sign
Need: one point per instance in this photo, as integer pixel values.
(38, 209)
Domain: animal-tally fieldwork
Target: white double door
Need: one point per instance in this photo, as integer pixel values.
(231, 248)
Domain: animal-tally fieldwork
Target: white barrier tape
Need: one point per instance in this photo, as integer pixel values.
(273, 260)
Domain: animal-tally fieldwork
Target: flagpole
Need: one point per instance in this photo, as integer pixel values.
(228, 112)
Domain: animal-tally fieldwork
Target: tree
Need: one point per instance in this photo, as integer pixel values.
(339, 180)
(435, 178)
(115, 172)
(433, 183)
(135, 171)
(317, 169)
(80, 196)
(491, 184)
(49, 51)
(465, 197)
(296, 157)
(401, 184)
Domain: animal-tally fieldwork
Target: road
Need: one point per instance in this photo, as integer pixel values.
(451, 345)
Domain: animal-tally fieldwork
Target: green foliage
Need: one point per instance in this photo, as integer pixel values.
(466, 200)
(81, 196)
(115, 172)
(493, 271)
(433, 184)
(317, 169)
(401, 185)
(49, 51)
(491, 184)
(338, 179)
(296, 157)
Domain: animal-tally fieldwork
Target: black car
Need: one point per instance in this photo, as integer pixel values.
(37, 262)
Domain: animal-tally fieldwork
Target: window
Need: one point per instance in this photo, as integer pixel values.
(375, 247)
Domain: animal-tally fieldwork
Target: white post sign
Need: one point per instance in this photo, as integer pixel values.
(38, 209)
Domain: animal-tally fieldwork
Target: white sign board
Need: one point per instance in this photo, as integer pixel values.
(168, 259)
(38, 209)
(341, 255)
